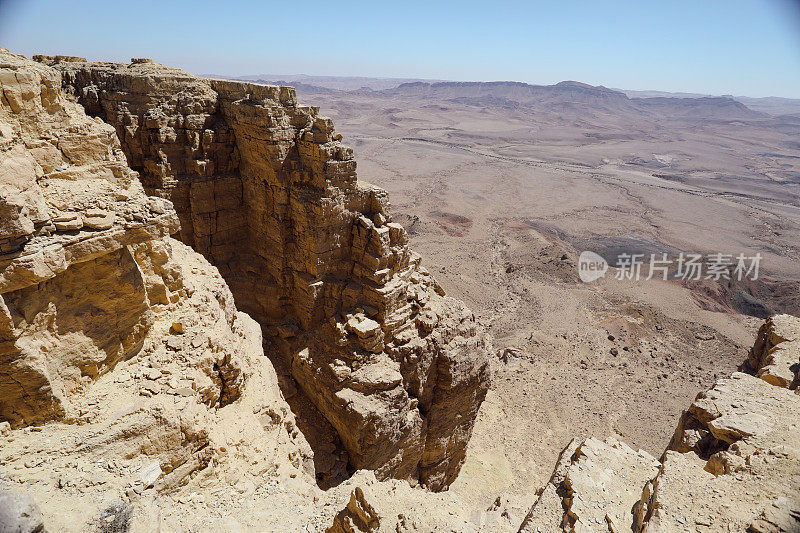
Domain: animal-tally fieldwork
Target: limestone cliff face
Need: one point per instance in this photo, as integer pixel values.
(69, 209)
(120, 344)
(266, 192)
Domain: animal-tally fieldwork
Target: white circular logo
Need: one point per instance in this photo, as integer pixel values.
(591, 267)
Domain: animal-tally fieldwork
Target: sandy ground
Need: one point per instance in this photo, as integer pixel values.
(500, 201)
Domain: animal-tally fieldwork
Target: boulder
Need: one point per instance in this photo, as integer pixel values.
(19, 513)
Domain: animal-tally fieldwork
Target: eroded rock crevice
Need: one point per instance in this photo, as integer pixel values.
(266, 192)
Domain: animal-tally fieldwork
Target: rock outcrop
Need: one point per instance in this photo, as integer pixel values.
(775, 357)
(127, 341)
(266, 192)
(70, 210)
(593, 488)
(733, 463)
(394, 507)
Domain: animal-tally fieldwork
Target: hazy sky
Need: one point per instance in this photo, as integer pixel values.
(741, 47)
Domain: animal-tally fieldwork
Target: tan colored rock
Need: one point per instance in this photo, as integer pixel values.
(51, 60)
(68, 222)
(592, 489)
(393, 506)
(776, 353)
(358, 516)
(266, 192)
(733, 463)
(60, 292)
(98, 219)
(547, 513)
(98, 400)
(744, 470)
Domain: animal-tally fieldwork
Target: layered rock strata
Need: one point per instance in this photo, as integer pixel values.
(265, 191)
(74, 302)
(124, 363)
(733, 463)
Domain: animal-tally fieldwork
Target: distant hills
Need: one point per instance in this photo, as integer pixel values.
(773, 105)
(518, 93)
(339, 83)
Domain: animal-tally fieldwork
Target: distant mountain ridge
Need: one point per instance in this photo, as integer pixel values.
(574, 96)
(515, 93)
(774, 105)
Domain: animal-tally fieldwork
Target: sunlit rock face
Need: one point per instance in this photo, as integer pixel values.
(266, 192)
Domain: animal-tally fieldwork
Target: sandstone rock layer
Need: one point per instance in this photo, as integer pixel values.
(261, 186)
(124, 363)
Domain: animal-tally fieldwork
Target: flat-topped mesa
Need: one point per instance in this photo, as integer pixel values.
(265, 190)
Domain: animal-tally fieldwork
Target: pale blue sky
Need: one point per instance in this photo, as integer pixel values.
(741, 47)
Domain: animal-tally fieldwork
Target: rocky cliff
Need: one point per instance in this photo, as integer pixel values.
(127, 341)
(135, 394)
(134, 344)
(265, 191)
(733, 463)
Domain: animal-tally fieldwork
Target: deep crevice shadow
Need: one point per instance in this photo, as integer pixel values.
(331, 461)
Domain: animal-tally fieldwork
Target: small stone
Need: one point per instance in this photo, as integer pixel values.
(98, 219)
(175, 343)
(156, 205)
(363, 326)
(149, 474)
(68, 222)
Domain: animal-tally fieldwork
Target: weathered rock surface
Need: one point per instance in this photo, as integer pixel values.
(101, 399)
(394, 507)
(19, 513)
(733, 463)
(741, 466)
(70, 208)
(776, 353)
(593, 488)
(265, 191)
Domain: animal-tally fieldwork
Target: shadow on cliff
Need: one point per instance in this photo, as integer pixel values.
(331, 461)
